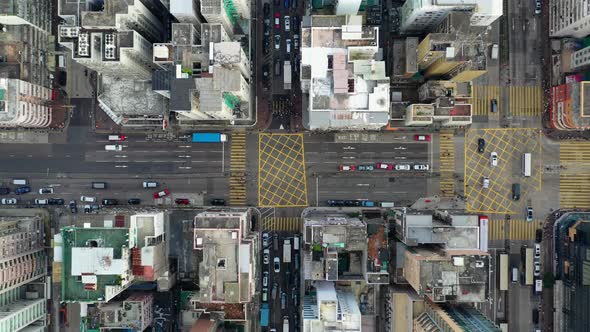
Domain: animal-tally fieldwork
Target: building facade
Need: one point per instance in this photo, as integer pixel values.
(24, 104)
(569, 18)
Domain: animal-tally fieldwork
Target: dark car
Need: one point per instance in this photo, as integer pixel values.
(109, 201)
(295, 21)
(134, 201)
(538, 235)
(56, 201)
(277, 2)
(182, 201)
(494, 105)
(266, 9)
(22, 190)
(481, 145)
(294, 4)
(218, 202)
(73, 207)
(4, 191)
(287, 4)
(335, 202)
(352, 203)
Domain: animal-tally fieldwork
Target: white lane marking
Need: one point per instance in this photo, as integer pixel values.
(217, 151)
(120, 156)
(184, 156)
(205, 161)
(121, 166)
(185, 146)
(184, 167)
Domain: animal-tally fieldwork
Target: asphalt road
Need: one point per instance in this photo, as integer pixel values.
(525, 49)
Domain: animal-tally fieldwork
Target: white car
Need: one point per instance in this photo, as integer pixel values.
(485, 182)
(264, 240)
(287, 23)
(46, 191)
(8, 201)
(537, 269)
(537, 250)
(40, 201)
(421, 167)
(266, 256)
(400, 167)
(277, 265)
(494, 159)
(87, 199)
(265, 279)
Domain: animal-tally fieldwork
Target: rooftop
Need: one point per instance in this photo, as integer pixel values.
(450, 231)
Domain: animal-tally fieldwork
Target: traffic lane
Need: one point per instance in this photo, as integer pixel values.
(394, 189)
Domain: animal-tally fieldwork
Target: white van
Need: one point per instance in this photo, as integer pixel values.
(115, 147)
(88, 199)
(150, 184)
(387, 204)
(39, 201)
(514, 274)
(19, 182)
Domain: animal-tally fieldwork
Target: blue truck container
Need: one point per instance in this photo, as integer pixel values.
(209, 137)
(264, 315)
(368, 203)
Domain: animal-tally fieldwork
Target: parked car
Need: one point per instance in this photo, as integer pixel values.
(109, 201)
(22, 190)
(537, 269)
(481, 145)
(347, 167)
(485, 182)
(134, 201)
(264, 239)
(494, 159)
(117, 138)
(283, 300)
(265, 279)
(335, 202)
(400, 167)
(87, 199)
(8, 201)
(352, 203)
(163, 193)
(46, 191)
(277, 265)
(266, 9)
(87, 208)
(421, 167)
(287, 23)
(537, 250)
(266, 256)
(384, 166)
(73, 206)
(422, 138)
(217, 202)
(538, 7)
(366, 167)
(56, 201)
(182, 201)
(41, 201)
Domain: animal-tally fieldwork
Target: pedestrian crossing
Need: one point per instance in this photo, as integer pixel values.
(482, 99)
(525, 100)
(514, 229)
(574, 177)
(237, 179)
(287, 224)
(447, 163)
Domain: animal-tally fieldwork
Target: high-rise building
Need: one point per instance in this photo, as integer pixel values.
(24, 104)
(135, 313)
(225, 12)
(331, 308)
(34, 12)
(187, 11)
(22, 272)
(569, 18)
(419, 16)
(347, 7)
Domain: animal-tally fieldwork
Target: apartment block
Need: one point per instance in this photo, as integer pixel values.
(33, 12)
(342, 74)
(135, 313)
(569, 18)
(187, 11)
(22, 274)
(418, 16)
(24, 104)
(226, 12)
(569, 109)
(331, 308)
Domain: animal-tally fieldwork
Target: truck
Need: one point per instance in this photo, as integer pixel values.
(287, 251)
(287, 75)
(209, 138)
(495, 50)
(264, 313)
(285, 324)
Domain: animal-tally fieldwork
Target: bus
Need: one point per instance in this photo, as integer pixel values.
(528, 268)
(503, 272)
(526, 164)
(538, 286)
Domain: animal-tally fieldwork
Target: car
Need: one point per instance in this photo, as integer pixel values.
(266, 9)
(87, 208)
(22, 190)
(95, 207)
(109, 201)
(134, 201)
(266, 27)
(283, 300)
(264, 239)
(494, 105)
(265, 279)
(277, 43)
(295, 299)
(277, 265)
(150, 184)
(217, 202)
(485, 182)
(115, 147)
(88, 199)
(182, 201)
(56, 201)
(539, 235)
(294, 4)
(422, 138)
(367, 203)
(46, 191)
(288, 43)
(296, 43)
(286, 4)
(73, 206)
(384, 166)
(352, 203)
(8, 201)
(494, 159)
(287, 23)
(41, 201)
(117, 138)
(4, 191)
(481, 145)
(529, 213)
(537, 269)
(163, 193)
(275, 289)
(400, 167)
(347, 167)
(266, 256)
(277, 20)
(366, 167)
(335, 202)
(538, 7)
(421, 167)
(295, 23)
(537, 250)
(265, 294)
